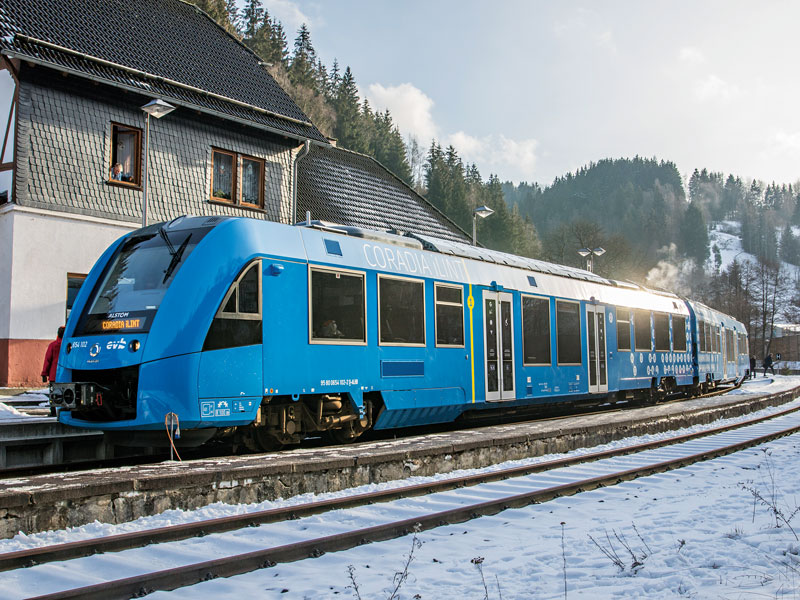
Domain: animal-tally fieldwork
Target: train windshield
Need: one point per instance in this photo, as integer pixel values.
(135, 281)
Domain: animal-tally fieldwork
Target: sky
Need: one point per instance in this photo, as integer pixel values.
(529, 90)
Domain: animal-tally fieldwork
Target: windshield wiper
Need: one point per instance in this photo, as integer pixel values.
(176, 257)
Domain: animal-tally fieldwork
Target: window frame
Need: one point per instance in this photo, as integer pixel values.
(336, 341)
(674, 329)
(262, 165)
(235, 289)
(136, 179)
(76, 277)
(549, 330)
(234, 181)
(627, 320)
(437, 303)
(658, 315)
(580, 330)
(649, 330)
(421, 282)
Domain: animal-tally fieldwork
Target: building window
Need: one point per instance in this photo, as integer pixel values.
(678, 333)
(237, 179)
(337, 307)
(623, 330)
(535, 330)
(223, 179)
(401, 311)
(126, 155)
(449, 315)
(252, 179)
(641, 330)
(568, 333)
(661, 326)
(74, 282)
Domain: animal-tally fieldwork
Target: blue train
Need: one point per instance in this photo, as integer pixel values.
(272, 333)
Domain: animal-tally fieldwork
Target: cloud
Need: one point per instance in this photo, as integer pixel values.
(692, 55)
(786, 140)
(289, 14)
(412, 112)
(507, 158)
(715, 88)
(585, 24)
(410, 107)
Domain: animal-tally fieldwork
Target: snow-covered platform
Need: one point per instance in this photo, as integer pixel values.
(121, 494)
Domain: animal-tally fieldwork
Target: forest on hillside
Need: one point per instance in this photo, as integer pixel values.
(639, 210)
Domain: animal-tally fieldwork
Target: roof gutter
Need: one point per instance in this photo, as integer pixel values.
(303, 154)
(147, 75)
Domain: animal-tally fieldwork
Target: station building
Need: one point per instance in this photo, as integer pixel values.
(75, 75)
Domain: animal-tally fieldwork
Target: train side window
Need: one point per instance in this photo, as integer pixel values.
(338, 310)
(706, 337)
(568, 333)
(535, 330)
(678, 333)
(238, 320)
(715, 339)
(623, 330)
(401, 311)
(661, 326)
(641, 330)
(449, 315)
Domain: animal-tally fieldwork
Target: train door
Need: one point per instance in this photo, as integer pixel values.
(499, 341)
(596, 340)
(724, 341)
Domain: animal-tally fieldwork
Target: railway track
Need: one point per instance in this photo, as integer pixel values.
(495, 491)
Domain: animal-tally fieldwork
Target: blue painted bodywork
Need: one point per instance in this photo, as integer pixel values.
(417, 384)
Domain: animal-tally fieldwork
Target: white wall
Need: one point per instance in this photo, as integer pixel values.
(45, 247)
(6, 254)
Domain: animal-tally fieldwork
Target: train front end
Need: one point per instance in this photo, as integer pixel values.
(122, 366)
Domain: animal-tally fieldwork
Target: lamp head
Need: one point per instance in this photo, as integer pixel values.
(158, 108)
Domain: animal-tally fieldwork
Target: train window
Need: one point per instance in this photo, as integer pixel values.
(74, 283)
(715, 339)
(661, 326)
(238, 321)
(568, 333)
(401, 311)
(678, 333)
(535, 330)
(449, 315)
(730, 351)
(641, 330)
(623, 329)
(707, 337)
(337, 307)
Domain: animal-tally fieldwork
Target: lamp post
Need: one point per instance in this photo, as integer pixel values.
(158, 109)
(591, 253)
(482, 212)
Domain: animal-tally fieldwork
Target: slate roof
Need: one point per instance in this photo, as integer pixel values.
(159, 48)
(340, 186)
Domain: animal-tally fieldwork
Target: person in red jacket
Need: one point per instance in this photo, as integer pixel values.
(51, 361)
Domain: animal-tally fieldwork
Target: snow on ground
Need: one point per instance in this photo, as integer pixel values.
(726, 237)
(695, 532)
(37, 397)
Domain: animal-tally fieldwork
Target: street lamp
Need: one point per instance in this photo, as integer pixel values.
(482, 212)
(591, 253)
(158, 109)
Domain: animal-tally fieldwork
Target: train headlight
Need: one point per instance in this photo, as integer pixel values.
(134, 345)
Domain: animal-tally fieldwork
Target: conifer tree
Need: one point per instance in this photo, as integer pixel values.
(348, 128)
(301, 68)
(252, 18)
